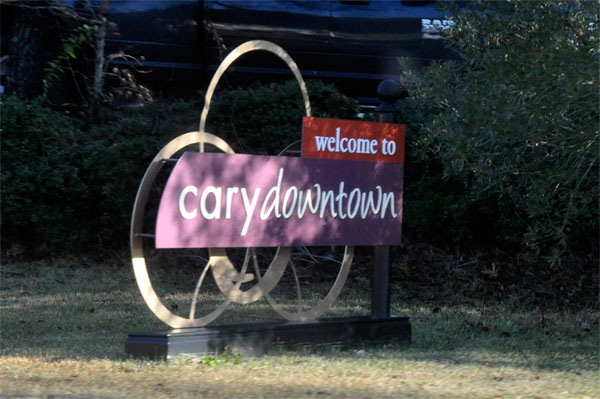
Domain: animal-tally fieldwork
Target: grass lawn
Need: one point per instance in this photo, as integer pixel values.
(64, 324)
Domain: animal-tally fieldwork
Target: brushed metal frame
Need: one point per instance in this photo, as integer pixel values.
(226, 276)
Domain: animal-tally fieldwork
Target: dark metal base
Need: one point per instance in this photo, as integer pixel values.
(258, 339)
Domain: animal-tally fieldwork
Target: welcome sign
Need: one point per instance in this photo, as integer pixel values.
(345, 190)
(223, 200)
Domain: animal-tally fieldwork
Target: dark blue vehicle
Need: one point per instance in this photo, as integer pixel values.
(353, 43)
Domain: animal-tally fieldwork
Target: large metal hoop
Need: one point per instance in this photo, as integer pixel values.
(322, 306)
(137, 251)
(277, 261)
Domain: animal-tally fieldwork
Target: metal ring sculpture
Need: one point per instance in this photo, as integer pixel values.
(227, 277)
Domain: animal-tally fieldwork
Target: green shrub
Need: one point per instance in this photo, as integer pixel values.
(115, 156)
(41, 181)
(66, 189)
(266, 119)
(516, 122)
(70, 188)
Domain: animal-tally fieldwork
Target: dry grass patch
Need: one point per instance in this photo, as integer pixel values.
(64, 325)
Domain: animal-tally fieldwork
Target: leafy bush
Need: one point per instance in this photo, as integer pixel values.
(516, 122)
(266, 119)
(40, 176)
(69, 188)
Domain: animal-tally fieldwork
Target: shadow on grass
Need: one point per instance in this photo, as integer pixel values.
(72, 311)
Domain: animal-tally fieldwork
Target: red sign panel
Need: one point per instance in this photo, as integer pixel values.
(352, 140)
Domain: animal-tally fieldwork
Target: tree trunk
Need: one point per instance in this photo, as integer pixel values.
(34, 43)
(97, 88)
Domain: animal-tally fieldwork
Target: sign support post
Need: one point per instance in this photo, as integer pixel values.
(388, 91)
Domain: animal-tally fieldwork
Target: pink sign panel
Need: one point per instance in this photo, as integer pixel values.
(215, 200)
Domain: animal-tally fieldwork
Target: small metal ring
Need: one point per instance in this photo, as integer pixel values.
(244, 48)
